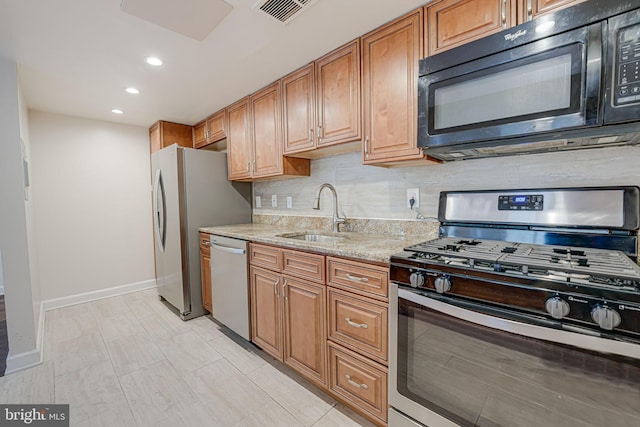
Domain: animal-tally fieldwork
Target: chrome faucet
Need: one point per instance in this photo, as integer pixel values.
(337, 219)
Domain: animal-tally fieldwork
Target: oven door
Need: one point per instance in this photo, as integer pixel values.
(452, 365)
(548, 85)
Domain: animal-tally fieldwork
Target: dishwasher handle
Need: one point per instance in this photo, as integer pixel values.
(228, 249)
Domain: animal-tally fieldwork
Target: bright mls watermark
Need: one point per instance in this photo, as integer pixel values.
(34, 415)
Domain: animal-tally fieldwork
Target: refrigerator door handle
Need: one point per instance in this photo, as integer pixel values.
(160, 211)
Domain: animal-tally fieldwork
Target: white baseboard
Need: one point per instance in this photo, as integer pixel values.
(34, 357)
(52, 304)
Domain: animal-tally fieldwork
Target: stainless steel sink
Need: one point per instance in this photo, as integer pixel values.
(313, 237)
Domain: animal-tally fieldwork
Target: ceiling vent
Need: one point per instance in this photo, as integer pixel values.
(284, 10)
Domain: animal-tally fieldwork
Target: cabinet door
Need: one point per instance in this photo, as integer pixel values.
(298, 99)
(215, 127)
(390, 86)
(200, 135)
(266, 108)
(338, 94)
(305, 328)
(205, 273)
(455, 22)
(266, 321)
(534, 8)
(239, 147)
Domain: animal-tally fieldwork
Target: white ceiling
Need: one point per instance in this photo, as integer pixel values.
(76, 57)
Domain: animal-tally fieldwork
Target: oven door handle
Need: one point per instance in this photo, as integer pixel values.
(524, 325)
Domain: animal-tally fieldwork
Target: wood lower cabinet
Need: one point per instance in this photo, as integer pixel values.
(163, 134)
(266, 311)
(390, 58)
(451, 23)
(359, 381)
(205, 271)
(288, 313)
(305, 327)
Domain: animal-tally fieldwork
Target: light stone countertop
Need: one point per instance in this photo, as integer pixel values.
(369, 247)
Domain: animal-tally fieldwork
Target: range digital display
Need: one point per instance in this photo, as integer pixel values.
(529, 202)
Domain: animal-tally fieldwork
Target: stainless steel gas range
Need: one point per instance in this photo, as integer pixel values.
(526, 311)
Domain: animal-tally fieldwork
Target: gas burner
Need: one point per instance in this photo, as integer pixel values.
(468, 242)
(452, 248)
(509, 250)
(575, 262)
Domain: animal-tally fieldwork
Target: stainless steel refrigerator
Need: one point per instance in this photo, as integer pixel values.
(190, 190)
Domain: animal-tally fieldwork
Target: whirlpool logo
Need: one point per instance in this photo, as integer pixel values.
(512, 36)
(34, 415)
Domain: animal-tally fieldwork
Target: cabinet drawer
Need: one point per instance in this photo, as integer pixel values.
(359, 323)
(304, 265)
(265, 256)
(205, 248)
(359, 381)
(358, 277)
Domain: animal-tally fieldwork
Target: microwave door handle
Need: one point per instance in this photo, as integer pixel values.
(522, 324)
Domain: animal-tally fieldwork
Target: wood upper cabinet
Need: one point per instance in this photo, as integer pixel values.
(338, 95)
(163, 134)
(239, 144)
(531, 9)
(210, 130)
(254, 138)
(305, 327)
(205, 271)
(266, 127)
(451, 23)
(321, 103)
(200, 134)
(299, 110)
(390, 58)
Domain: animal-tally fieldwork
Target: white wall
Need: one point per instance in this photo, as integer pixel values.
(375, 192)
(91, 189)
(13, 226)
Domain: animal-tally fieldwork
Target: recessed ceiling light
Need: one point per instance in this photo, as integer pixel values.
(152, 60)
(116, 111)
(132, 90)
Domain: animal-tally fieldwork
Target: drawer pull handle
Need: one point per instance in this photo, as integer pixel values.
(356, 325)
(356, 278)
(355, 384)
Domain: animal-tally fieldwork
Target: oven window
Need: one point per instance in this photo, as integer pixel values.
(526, 88)
(478, 376)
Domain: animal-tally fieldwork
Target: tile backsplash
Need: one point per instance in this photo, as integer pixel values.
(376, 192)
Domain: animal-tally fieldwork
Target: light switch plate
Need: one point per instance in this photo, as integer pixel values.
(289, 202)
(274, 200)
(258, 202)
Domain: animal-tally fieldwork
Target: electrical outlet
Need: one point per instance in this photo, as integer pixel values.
(289, 202)
(413, 193)
(258, 202)
(274, 200)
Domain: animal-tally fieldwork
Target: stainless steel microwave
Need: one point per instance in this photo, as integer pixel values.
(567, 80)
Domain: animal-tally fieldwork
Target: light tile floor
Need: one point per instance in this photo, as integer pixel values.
(129, 361)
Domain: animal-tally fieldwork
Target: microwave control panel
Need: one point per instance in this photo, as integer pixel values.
(627, 84)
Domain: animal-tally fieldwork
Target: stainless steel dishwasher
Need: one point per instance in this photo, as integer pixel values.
(229, 283)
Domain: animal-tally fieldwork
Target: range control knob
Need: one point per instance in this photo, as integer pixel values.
(416, 280)
(606, 317)
(442, 284)
(557, 307)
